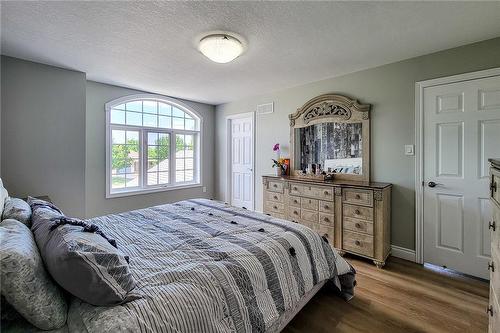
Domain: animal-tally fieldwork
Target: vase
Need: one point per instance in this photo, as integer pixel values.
(278, 171)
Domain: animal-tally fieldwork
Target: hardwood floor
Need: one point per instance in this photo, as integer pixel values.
(401, 297)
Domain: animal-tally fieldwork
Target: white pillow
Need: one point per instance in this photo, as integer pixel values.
(3, 195)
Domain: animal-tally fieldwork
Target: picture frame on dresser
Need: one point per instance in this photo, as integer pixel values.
(352, 213)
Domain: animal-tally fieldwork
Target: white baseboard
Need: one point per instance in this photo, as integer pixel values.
(403, 253)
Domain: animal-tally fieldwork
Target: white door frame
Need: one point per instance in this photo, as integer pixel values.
(229, 155)
(419, 153)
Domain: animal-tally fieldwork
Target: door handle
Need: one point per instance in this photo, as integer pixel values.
(433, 184)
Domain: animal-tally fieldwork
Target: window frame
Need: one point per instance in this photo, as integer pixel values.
(143, 188)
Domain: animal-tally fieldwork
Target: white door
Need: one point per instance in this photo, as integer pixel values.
(242, 162)
(461, 131)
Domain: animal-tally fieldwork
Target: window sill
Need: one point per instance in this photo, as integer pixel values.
(119, 194)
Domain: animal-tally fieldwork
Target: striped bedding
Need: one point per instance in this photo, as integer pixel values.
(203, 266)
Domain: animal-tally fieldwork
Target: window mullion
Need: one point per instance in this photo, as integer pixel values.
(144, 158)
(172, 158)
(142, 141)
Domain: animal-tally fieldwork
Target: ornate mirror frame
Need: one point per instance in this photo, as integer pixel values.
(333, 108)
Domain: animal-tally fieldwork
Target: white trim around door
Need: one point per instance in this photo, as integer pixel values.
(419, 153)
(229, 155)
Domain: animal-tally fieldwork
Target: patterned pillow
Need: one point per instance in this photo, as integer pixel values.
(25, 283)
(80, 257)
(17, 209)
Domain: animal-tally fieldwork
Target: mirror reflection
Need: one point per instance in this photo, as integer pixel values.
(331, 147)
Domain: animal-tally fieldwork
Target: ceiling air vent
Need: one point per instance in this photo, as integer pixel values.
(265, 108)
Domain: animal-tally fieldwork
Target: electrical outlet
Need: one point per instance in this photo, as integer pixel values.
(204, 189)
(409, 150)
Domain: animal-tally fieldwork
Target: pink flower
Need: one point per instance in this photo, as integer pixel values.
(276, 147)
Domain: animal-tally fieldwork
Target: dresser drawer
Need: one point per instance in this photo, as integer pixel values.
(326, 219)
(493, 312)
(273, 196)
(326, 207)
(279, 216)
(325, 231)
(311, 204)
(318, 192)
(296, 189)
(309, 215)
(358, 225)
(275, 186)
(495, 224)
(358, 212)
(358, 196)
(495, 186)
(358, 243)
(495, 271)
(274, 207)
(294, 201)
(294, 214)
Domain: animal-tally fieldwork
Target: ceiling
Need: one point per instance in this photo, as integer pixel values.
(151, 46)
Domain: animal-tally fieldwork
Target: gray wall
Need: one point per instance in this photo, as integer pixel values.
(43, 133)
(391, 91)
(97, 95)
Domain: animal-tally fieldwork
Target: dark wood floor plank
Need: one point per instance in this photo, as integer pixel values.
(401, 297)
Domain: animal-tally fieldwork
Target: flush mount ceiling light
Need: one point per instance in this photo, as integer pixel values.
(221, 47)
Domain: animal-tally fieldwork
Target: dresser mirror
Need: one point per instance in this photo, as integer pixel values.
(330, 134)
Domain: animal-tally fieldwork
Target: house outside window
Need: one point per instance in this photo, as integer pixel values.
(153, 144)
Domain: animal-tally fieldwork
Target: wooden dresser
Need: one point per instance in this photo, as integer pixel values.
(353, 216)
(494, 266)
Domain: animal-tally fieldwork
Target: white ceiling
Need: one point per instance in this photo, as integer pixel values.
(151, 45)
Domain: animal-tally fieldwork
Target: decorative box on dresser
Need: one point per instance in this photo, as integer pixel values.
(353, 216)
(494, 266)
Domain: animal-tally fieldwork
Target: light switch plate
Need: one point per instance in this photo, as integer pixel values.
(409, 150)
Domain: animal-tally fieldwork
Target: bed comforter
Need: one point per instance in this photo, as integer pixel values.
(204, 266)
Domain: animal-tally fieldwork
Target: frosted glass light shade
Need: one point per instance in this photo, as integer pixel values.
(220, 48)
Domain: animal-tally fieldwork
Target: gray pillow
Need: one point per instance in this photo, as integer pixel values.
(17, 209)
(25, 283)
(80, 257)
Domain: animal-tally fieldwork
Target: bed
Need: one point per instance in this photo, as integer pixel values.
(204, 266)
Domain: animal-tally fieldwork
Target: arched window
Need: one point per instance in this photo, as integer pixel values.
(153, 144)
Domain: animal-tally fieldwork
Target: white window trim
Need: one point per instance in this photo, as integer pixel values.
(167, 187)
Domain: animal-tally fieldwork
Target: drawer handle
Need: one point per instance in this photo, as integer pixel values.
(491, 266)
(326, 219)
(295, 201)
(310, 201)
(358, 196)
(493, 187)
(295, 212)
(327, 193)
(358, 225)
(490, 310)
(358, 243)
(294, 188)
(357, 212)
(275, 198)
(275, 207)
(491, 225)
(325, 207)
(275, 185)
